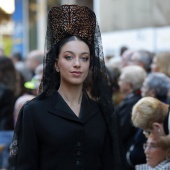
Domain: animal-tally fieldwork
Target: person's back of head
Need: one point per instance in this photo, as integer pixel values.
(147, 111)
(16, 57)
(135, 75)
(163, 62)
(126, 57)
(143, 58)
(122, 50)
(7, 72)
(20, 65)
(156, 85)
(33, 59)
(39, 69)
(9, 76)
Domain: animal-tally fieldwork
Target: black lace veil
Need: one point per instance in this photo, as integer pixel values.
(65, 21)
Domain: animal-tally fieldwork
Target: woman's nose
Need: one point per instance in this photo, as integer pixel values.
(77, 62)
(146, 150)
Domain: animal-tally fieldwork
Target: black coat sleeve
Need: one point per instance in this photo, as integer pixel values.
(135, 154)
(28, 147)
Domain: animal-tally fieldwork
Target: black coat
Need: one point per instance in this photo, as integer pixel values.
(52, 137)
(126, 129)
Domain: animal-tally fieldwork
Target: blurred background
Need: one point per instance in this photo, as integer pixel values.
(133, 23)
(133, 33)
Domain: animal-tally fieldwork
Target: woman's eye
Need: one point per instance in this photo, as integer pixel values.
(85, 58)
(68, 57)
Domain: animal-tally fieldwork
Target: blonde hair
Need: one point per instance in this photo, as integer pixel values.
(135, 75)
(147, 111)
(163, 62)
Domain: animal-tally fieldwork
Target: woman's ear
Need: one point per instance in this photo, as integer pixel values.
(56, 66)
(158, 129)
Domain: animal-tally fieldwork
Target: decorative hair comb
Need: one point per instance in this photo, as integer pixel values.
(72, 20)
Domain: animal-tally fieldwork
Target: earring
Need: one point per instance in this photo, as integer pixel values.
(159, 130)
(57, 69)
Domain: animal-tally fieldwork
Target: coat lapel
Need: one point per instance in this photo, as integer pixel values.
(88, 109)
(60, 108)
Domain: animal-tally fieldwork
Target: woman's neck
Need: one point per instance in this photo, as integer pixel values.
(73, 97)
(71, 94)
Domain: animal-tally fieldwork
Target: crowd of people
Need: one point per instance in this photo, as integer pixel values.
(142, 74)
(103, 113)
(15, 75)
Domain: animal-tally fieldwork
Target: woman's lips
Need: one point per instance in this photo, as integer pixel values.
(76, 73)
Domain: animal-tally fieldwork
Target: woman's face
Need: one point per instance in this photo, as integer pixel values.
(124, 86)
(154, 65)
(154, 153)
(73, 62)
(145, 90)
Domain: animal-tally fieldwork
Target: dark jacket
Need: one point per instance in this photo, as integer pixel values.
(135, 154)
(7, 101)
(126, 130)
(52, 137)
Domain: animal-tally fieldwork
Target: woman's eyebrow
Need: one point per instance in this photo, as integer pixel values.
(68, 52)
(85, 53)
(73, 52)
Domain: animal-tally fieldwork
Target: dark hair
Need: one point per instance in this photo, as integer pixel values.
(57, 47)
(17, 55)
(51, 78)
(123, 49)
(8, 73)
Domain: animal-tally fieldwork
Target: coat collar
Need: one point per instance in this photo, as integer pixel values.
(60, 108)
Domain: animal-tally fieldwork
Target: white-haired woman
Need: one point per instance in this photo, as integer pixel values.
(130, 83)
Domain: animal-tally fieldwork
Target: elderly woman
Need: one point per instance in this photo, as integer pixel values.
(130, 83)
(152, 115)
(156, 85)
(157, 156)
(142, 58)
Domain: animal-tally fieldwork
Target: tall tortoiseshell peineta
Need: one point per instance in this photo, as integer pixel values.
(72, 20)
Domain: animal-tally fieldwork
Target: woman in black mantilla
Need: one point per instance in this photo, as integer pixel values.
(64, 128)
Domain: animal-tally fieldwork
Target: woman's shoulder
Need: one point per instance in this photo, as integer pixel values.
(143, 167)
(165, 165)
(37, 102)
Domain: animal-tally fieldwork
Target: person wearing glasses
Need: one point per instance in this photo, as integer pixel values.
(152, 115)
(157, 156)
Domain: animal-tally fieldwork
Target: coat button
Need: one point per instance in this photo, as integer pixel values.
(78, 143)
(78, 163)
(78, 153)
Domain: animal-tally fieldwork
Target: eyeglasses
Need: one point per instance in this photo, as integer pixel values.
(145, 146)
